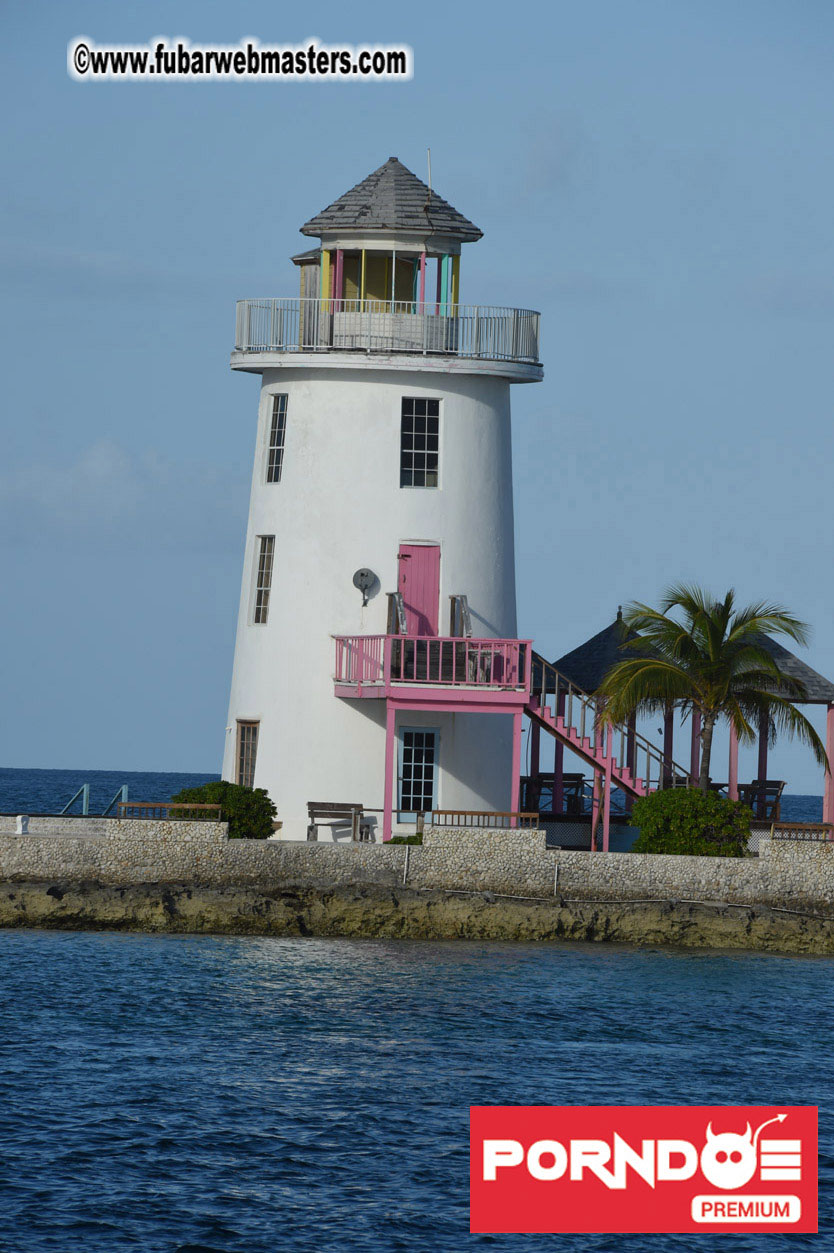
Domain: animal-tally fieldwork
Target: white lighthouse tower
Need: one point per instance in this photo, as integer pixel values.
(377, 659)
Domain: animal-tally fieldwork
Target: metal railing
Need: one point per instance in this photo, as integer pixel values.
(584, 714)
(167, 811)
(445, 660)
(460, 618)
(84, 793)
(480, 332)
(119, 799)
(487, 818)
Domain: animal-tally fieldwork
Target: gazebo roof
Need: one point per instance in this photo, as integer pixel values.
(819, 690)
(392, 199)
(587, 665)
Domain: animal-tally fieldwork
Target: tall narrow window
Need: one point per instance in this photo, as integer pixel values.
(263, 582)
(277, 433)
(247, 751)
(419, 442)
(418, 772)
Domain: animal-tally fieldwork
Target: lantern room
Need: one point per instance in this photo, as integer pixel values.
(390, 239)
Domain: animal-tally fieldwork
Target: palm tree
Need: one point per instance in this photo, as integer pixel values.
(710, 658)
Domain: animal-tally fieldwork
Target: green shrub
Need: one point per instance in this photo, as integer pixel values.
(248, 811)
(683, 820)
(406, 839)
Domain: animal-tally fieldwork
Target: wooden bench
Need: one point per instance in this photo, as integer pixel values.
(332, 814)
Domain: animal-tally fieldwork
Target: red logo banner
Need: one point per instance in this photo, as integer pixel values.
(643, 1168)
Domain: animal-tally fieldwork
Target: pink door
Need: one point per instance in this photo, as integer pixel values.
(419, 583)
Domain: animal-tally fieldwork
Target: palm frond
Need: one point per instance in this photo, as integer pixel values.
(788, 719)
(648, 683)
(688, 597)
(763, 618)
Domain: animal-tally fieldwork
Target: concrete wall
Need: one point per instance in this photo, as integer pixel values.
(339, 507)
(516, 863)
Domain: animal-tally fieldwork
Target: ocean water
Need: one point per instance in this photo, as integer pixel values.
(48, 791)
(178, 1094)
(210, 1095)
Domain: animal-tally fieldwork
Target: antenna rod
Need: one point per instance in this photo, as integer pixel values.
(428, 154)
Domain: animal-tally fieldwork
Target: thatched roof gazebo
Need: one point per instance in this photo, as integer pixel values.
(587, 665)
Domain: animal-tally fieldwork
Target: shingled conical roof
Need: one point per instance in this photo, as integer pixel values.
(587, 665)
(392, 199)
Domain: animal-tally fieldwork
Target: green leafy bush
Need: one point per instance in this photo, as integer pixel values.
(683, 820)
(406, 839)
(248, 811)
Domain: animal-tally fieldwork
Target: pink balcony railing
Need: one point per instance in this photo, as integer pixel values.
(360, 658)
(443, 660)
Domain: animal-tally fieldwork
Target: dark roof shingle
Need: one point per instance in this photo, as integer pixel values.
(392, 199)
(818, 690)
(587, 665)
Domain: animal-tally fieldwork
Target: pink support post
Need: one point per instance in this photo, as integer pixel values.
(387, 658)
(534, 791)
(764, 726)
(535, 743)
(390, 745)
(422, 279)
(828, 795)
(606, 800)
(595, 803)
(732, 773)
(668, 746)
(516, 783)
(695, 758)
(631, 756)
(559, 762)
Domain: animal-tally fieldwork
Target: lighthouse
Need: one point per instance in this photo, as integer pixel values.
(377, 659)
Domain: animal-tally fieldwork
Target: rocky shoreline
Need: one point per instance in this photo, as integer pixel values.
(404, 913)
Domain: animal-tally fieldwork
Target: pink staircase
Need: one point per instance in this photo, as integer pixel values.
(623, 757)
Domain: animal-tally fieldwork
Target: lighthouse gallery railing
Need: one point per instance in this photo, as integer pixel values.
(473, 331)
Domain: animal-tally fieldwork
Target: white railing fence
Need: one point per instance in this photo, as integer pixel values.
(472, 331)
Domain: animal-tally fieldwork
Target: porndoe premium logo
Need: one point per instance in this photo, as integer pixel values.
(652, 1168)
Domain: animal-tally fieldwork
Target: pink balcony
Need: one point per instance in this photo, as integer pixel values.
(371, 665)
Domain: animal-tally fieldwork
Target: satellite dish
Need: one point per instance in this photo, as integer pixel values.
(364, 580)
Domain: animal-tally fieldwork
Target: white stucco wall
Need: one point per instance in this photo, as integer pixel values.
(337, 508)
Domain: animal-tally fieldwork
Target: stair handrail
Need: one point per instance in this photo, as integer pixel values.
(396, 614)
(84, 793)
(460, 608)
(119, 799)
(669, 772)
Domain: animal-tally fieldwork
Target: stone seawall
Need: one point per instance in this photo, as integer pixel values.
(121, 853)
(108, 872)
(787, 874)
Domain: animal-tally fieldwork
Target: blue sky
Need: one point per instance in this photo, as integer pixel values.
(657, 178)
